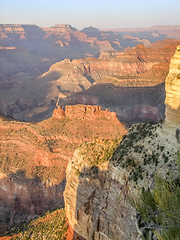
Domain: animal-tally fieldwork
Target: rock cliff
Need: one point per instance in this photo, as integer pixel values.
(34, 158)
(22, 199)
(101, 179)
(127, 68)
(24, 74)
(85, 112)
(98, 189)
(131, 104)
(173, 90)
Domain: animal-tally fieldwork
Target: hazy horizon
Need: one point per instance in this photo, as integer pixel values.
(81, 14)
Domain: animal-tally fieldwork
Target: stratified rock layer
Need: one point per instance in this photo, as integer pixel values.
(84, 112)
(97, 194)
(34, 158)
(173, 90)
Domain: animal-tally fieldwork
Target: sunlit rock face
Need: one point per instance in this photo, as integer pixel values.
(173, 90)
(85, 112)
(97, 193)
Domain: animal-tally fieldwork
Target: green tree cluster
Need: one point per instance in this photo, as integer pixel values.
(159, 209)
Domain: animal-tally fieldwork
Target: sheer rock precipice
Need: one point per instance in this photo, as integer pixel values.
(173, 90)
(34, 158)
(97, 192)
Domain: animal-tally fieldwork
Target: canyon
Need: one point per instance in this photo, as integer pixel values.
(84, 88)
(32, 97)
(99, 190)
(39, 66)
(154, 31)
(34, 158)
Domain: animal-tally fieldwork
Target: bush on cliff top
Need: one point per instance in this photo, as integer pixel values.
(99, 151)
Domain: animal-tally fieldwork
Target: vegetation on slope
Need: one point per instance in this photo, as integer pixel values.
(148, 156)
(49, 226)
(95, 153)
(159, 209)
(41, 150)
(99, 151)
(141, 153)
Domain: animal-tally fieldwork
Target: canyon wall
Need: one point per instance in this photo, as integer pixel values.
(85, 112)
(136, 67)
(34, 157)
(131, 104)
(99, 190)
(22, 199)
(173, 90)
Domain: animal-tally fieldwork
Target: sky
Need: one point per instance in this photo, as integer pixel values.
(96, 13)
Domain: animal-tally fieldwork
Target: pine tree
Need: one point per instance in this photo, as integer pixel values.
(159, 209)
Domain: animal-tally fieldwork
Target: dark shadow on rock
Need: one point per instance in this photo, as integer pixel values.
(33, 32)
(132, 104)
(101, 209)
(23, 198)
(51, 76)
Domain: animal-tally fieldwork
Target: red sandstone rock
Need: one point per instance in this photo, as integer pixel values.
(34, 157)
(84, 112)
(58, 113)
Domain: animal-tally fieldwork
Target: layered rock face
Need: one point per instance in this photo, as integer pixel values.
(137, 67)
(17, 29)
(132, 105)
(22, 199)
(84, 112)
(127, 68)
(97, 191)
(34, 157)
(173, 90)
(96, 205)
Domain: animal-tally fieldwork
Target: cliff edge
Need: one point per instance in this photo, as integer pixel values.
(104, 175)
(173, 90)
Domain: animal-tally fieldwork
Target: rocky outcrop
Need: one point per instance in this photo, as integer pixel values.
(173, 90)
(21, 31)
(63, 28)
(34, 158)
(9, 28)
(84, 112)
(58, 113)
(97, 192)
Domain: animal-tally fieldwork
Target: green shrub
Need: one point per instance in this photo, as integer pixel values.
(159, 209)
